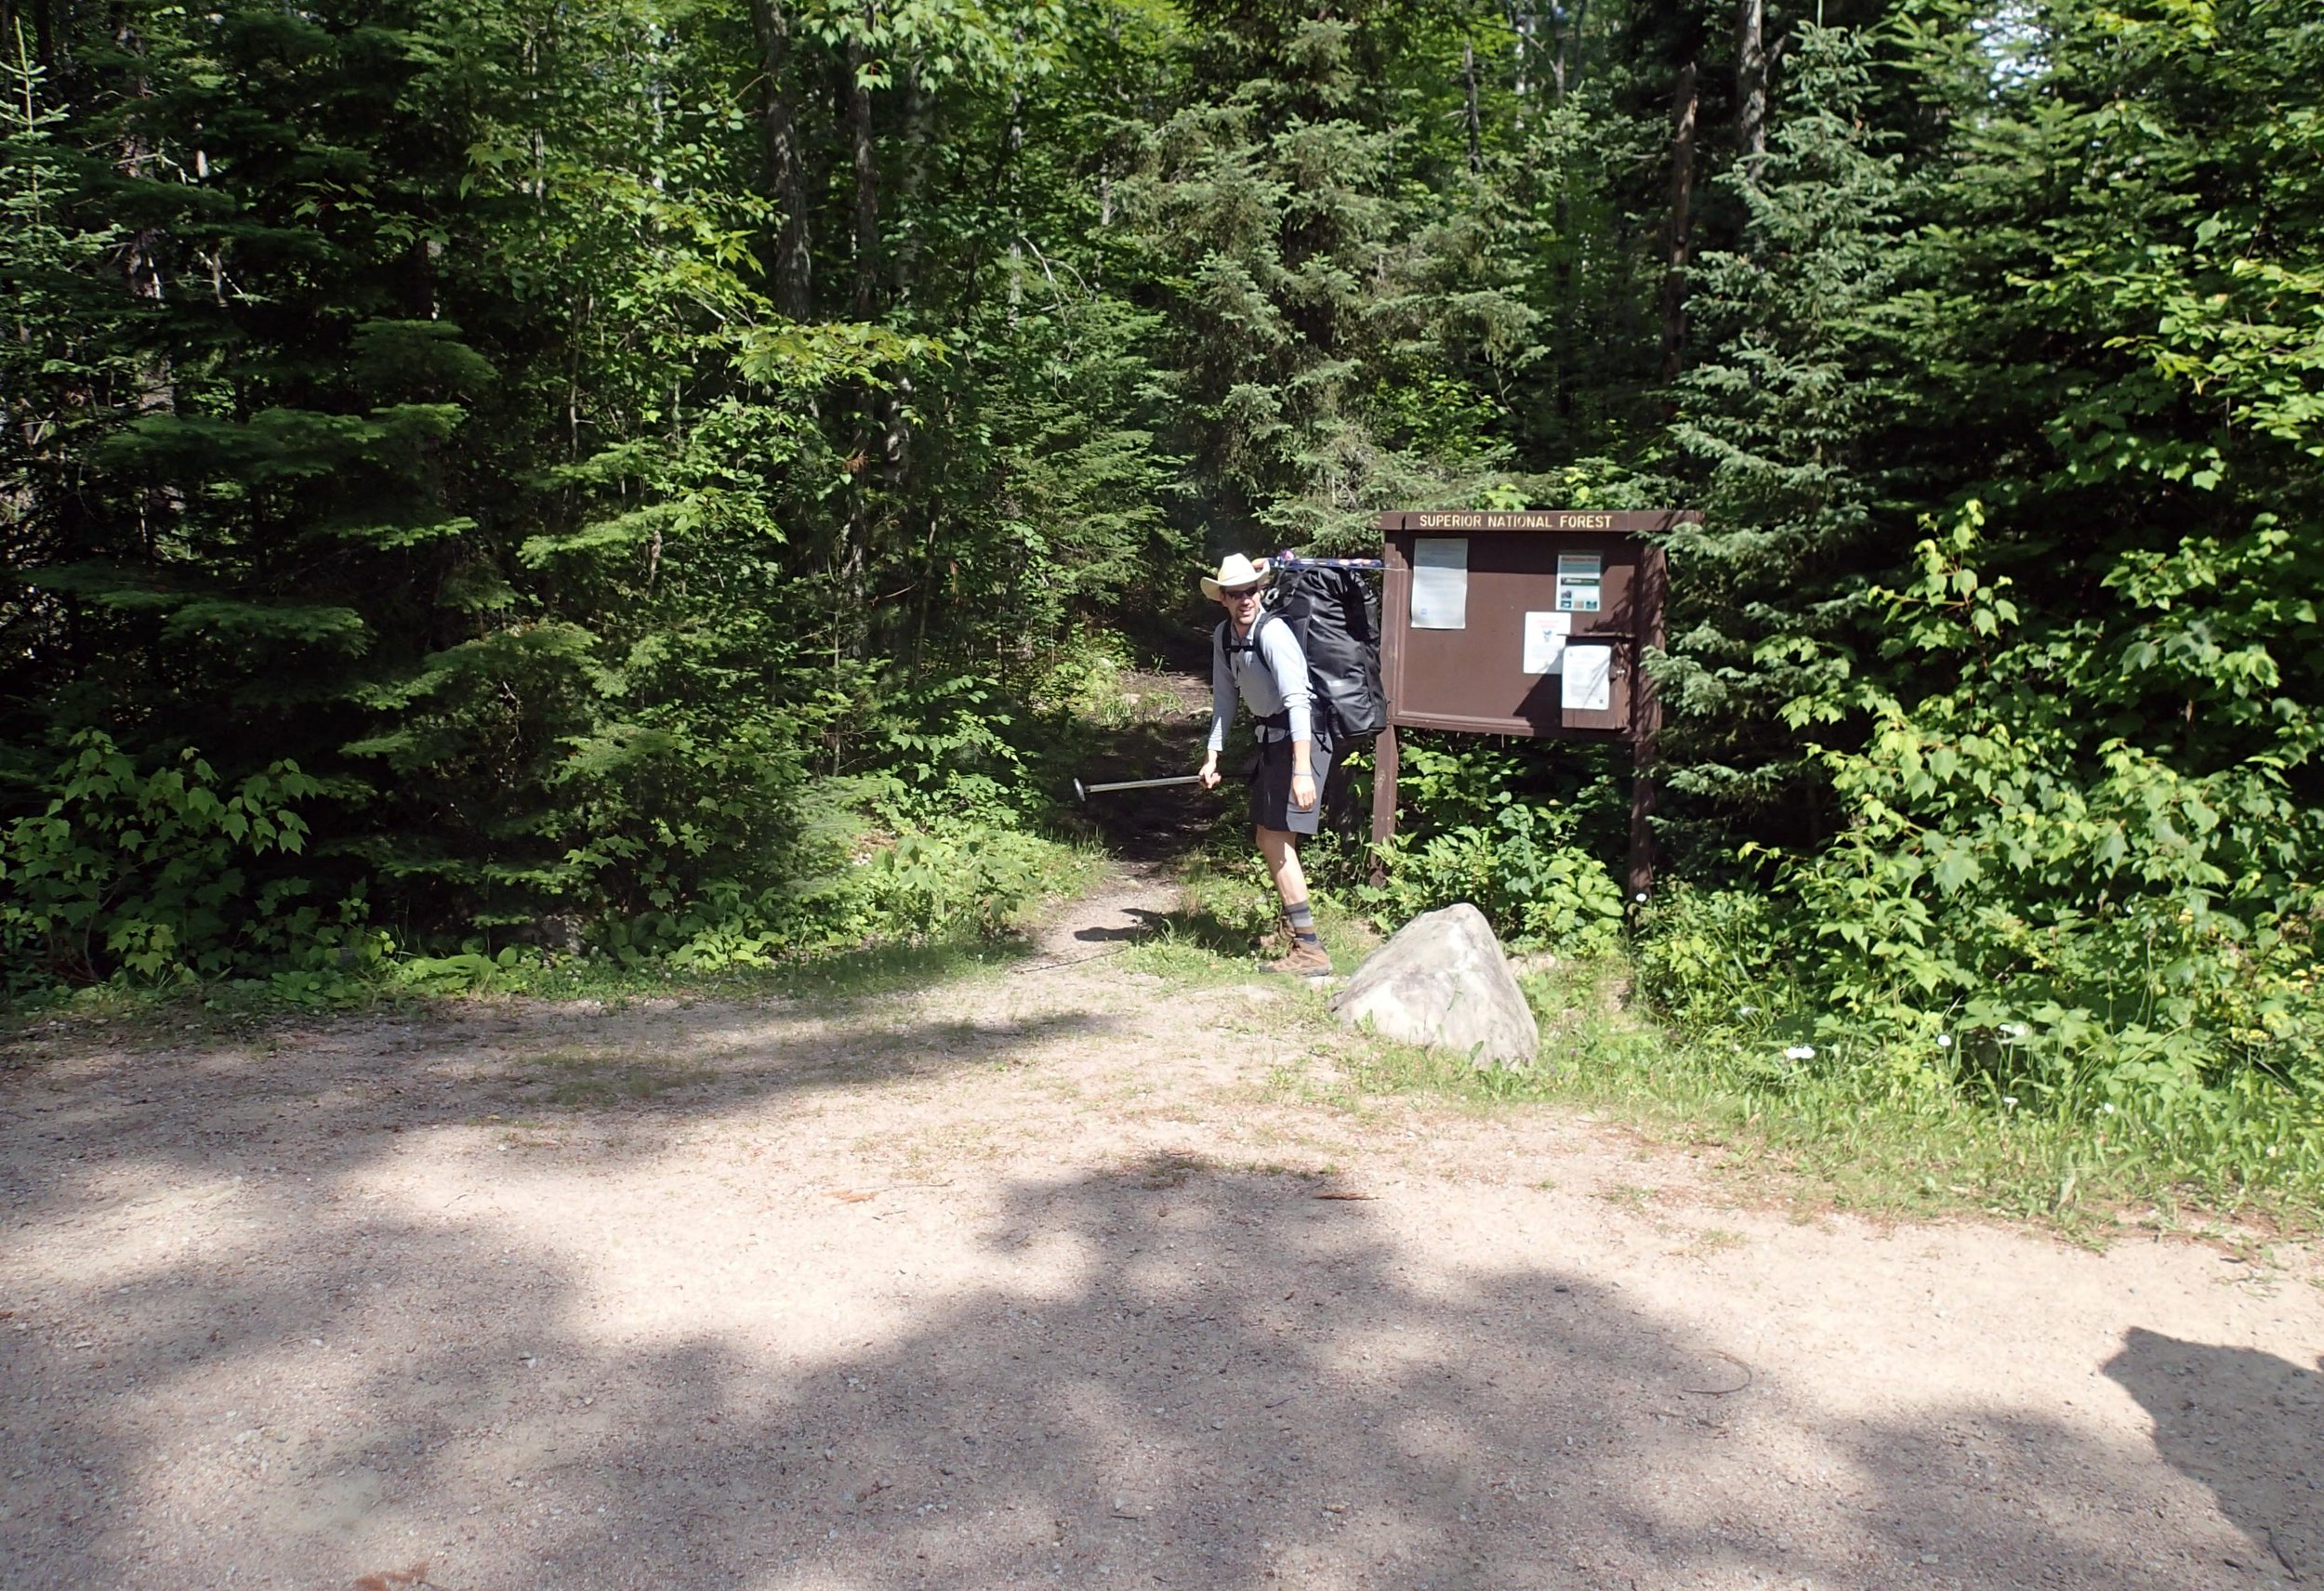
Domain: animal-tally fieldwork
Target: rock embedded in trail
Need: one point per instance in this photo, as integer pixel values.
(1442, 983)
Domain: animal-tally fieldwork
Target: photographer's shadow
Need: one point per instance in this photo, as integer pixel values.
(2246, 1423)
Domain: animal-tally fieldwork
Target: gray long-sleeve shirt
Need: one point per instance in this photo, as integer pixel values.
(1270, 681)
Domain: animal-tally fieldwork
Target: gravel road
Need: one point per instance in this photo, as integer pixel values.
(1055, 1278)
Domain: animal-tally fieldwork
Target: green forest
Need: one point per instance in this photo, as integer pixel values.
(663, 482)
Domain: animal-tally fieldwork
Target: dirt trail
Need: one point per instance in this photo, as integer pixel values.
(1126, 908)
(1036, 1278)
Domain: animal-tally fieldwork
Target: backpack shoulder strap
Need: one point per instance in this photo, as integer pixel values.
(1249, 643)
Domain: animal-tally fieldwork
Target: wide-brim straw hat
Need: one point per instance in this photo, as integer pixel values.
(1237, 574)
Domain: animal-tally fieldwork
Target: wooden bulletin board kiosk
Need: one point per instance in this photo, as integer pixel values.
(1528, 622)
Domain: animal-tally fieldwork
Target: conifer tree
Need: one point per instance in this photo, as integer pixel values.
(1314, 290)
(1784, 413)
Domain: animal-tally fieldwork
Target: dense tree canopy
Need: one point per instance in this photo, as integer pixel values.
(628, 462)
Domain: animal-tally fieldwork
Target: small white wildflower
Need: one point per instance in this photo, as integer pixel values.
(1640, 897)
(1944, 1040)
(2013, 1032)
(2010, 1099)
(1746, 1010)
(2108, 1109)
(1800, 1052)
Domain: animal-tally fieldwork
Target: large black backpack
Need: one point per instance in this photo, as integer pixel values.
(1335, 613)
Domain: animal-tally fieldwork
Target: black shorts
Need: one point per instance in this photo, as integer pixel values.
(1270, 786)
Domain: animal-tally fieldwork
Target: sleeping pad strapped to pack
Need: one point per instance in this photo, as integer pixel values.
(1335, 614)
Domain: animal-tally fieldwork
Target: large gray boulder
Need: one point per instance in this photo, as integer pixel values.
(1443, 982)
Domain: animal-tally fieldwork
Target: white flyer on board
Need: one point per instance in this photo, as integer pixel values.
(1440, 583)
(1587, 685)
(1545, 641)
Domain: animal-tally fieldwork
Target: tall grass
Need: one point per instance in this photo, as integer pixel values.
(1867, 1137)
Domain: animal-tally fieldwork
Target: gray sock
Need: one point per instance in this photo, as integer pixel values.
(1303, 921)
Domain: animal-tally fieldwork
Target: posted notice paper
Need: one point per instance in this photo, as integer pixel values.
(1587, 685)
(1580, 577)
(1440, 583)
(1545, 641)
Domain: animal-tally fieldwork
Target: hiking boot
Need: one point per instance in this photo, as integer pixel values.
(1302, 961)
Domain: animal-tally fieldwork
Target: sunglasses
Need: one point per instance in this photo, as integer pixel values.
(1236, 596)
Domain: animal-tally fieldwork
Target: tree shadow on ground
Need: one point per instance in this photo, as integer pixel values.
(1165, 1374)
(2245, 1424)
(331, 1101)
(834, 982)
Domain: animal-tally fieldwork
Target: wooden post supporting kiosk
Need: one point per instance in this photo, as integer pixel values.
(1529, 623)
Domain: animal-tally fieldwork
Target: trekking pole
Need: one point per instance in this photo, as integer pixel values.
(1083, 792)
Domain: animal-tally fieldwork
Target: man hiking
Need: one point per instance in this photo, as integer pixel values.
(1255, 653)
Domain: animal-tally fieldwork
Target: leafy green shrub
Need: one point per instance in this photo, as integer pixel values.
(1462, 781)
(154, 871)
(2030, 910)
(1538, 890)
(944, 750)
(700, 850)
(1512, 829)
(1712, 958)
(961, 880)
(2086, 920)
(1084, 681)
(872, 860)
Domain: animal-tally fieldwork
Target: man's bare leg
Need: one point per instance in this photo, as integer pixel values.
(1279, 850)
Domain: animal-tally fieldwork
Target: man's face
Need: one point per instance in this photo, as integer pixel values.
(1241, 606)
